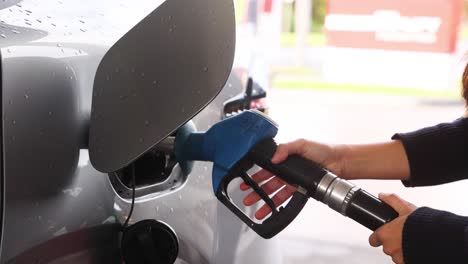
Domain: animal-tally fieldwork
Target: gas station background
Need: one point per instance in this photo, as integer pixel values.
(418, 45)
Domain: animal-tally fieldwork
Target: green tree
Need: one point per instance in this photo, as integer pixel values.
(318, 14)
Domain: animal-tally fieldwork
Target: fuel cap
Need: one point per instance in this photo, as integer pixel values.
(149, 241)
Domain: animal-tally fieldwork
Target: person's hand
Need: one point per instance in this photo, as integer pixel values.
(389, 236)
(326, 155)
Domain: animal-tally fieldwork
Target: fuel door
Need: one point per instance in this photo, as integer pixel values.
(157, 77)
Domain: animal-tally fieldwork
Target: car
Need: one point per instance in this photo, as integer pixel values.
(79, 132)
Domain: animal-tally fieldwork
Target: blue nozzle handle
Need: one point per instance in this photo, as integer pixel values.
(226, 142)
(192, 147)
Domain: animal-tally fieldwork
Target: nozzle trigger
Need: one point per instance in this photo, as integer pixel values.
(260, 192)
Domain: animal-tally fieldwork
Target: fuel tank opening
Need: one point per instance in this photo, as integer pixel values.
(157, 170)
(153, 167)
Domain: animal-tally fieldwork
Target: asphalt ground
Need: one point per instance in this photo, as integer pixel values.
(320, 235)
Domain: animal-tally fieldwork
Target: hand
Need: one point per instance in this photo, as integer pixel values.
(326, 155)
(389, 236)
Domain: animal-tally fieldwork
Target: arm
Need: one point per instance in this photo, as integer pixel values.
(437, 154)
(383, 161)
(433, 236)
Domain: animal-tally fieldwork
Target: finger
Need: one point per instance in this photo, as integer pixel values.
(284, 150)
(258, 177)
(251, 198)
(398, 258)
(281, 154)
(270, 187)
(279, 198)
(397, 203)
(374, 240)
(273, 185)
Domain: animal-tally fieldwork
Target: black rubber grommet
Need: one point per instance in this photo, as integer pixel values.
(148, 242)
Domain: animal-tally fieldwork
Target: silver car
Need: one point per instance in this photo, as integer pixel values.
(89, 88)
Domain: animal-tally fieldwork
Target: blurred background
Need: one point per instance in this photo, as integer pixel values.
(342, 71)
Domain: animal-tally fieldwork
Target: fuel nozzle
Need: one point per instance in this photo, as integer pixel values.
(236, 144)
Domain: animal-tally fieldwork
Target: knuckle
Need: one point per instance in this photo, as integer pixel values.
(301, 141)
(397, 259)
(387, 251)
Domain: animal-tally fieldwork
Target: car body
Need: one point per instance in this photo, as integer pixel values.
(56, 207)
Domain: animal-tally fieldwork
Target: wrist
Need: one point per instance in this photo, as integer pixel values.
(340, 155)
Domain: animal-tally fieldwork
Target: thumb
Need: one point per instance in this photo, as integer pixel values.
(281, 154)
(397, 203)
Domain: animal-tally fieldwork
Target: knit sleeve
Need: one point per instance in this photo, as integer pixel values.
(437, 154)
(433, 236)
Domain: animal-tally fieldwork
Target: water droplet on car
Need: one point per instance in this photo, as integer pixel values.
(13, 122)
(147, 123)
(10, 102)
(59, 45)
(53, 24)
(50, 113)
(107, 78)
(82, 21)
(205, 69)
(180, 197)
(157, 209)
(170, 30)
(169, 17)
(3, 36)
(15, 31)
(83, 30)
(172, 210)
(142, 75)
(26, 96)
(38, 20)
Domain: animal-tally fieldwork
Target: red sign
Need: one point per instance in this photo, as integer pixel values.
(267, 6)
(408, 25)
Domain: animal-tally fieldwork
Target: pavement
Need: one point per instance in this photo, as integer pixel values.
(320, 235)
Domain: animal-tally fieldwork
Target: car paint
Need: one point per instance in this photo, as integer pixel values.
(56, 207)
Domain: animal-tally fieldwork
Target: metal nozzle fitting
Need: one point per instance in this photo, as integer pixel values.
(335, 192)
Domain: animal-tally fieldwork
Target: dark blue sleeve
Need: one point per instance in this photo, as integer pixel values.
(437, 154)
(433, 236)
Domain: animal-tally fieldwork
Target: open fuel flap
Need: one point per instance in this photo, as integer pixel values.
(157, 77)
(148, 85)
